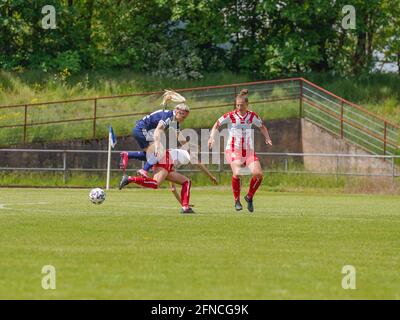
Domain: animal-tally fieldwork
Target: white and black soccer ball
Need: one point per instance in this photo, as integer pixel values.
(97, 196)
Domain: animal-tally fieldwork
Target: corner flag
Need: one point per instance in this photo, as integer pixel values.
(112, 137)
(112, 141)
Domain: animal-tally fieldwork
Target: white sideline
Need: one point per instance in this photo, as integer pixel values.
(4, 206)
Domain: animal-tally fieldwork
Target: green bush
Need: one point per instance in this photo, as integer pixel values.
(68, 60)
(181, 64)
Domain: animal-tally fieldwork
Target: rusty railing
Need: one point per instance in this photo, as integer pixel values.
(325, 109)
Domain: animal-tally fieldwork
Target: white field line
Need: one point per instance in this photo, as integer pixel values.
(4, 206)
(30, 210)
(32, 203)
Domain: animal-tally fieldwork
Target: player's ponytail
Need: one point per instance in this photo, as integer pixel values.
(173, 96)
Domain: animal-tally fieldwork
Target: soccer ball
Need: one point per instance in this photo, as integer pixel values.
(97, 196)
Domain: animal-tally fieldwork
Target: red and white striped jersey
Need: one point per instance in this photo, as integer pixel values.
(240, 132)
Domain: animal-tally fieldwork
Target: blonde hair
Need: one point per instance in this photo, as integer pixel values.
(182, 107)
(173, 96)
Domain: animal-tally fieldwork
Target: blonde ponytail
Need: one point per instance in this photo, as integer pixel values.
(173, 96)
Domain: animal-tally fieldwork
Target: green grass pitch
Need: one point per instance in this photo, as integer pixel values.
(137, 246)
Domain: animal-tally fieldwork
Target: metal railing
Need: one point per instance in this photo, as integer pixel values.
(128, 106)
(82, 118)
(285, 163)
(348, 120)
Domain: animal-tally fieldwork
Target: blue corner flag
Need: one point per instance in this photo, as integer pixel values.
(113, 138)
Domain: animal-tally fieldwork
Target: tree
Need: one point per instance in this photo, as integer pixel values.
(388, 38)
(185, 38)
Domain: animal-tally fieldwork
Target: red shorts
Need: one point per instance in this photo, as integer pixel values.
(165, 163)
(246, 157)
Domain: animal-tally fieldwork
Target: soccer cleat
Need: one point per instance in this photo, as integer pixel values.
(123, 160)
(143, 173)
(238, 205)
(249, 201)
(124, 182)
(187, 210)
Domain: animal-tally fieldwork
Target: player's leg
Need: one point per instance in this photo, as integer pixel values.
(255, 182)
(124, 157)
(186, 184)
(153, 183)
(172, 187)
(143, 143)
(235, 166)
(137, 155)
(151, 160)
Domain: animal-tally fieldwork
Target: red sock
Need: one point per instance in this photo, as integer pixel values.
(145, 182)
(185, 194)
(236, 187)
(254, 184)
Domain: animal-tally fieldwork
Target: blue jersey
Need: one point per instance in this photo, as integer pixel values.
(152, 120)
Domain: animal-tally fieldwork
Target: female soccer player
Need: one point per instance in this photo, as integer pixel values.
(239, 151)
(153, 124)
(164, 170)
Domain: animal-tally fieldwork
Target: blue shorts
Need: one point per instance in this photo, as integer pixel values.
(142, 137)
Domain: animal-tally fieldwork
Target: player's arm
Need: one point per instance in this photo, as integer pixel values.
(214, 131)
(221, 121)
(203, 168)
(158, 147)
(181, 138)
(266, 135)
(260, 124)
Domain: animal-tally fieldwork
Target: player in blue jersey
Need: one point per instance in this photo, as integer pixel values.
(152, 125)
